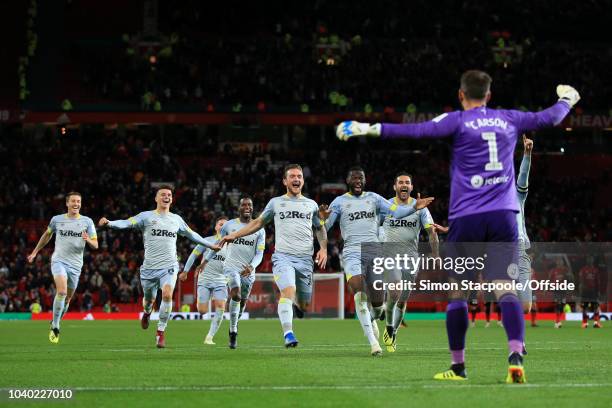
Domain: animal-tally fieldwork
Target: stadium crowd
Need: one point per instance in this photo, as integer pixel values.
(216, 56)
(114, 173)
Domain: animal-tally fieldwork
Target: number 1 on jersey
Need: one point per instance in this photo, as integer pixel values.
(494, 163)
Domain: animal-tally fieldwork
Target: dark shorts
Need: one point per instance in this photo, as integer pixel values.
(494, 234)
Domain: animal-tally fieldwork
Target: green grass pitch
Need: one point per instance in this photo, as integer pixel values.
(115, 364)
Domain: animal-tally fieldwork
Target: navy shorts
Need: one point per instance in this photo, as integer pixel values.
(493, 235)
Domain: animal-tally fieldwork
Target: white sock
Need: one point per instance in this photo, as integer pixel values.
(147, 305)
(398, 316)
(389, 308)
(361, 307)
(66, 306)
(165, 308)
(234, 310)
(216, 321)
(285, 314)
(58, 309)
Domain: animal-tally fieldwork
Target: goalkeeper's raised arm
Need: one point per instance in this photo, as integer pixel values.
(451, 123)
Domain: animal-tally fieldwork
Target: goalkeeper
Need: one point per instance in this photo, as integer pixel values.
(483, 203)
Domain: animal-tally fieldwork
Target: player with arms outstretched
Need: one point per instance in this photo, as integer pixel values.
(358, 213)
(160, 229)
(483, 203)
(212, 283)
(295, 217)
(404, 231)
(73, 231)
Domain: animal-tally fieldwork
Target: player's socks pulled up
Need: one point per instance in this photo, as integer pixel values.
(375, 329)
(165, 308)
(285, 314)
(66, 306)
(361, 308)
(389, 310)
(215, 323)
(514, 322)
(457, 324)
(58, 309)
(234, 310)
(398, 316)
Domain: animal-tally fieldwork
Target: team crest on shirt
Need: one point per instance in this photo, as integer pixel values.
(513, 271)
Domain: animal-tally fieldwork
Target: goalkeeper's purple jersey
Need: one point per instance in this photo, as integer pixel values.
(484, 139)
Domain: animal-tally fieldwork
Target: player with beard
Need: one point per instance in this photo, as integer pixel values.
(358, 212)
(295, 217)
(404, 231)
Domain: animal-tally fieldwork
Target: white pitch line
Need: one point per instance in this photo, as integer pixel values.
(310, 347)
(336, 387)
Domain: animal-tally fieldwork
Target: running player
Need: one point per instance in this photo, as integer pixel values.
(211, 280)
(295, 217)
(483, 202)
(404, 231)
(358, 212)
(244, 255)
(73, 231)
(159, 269)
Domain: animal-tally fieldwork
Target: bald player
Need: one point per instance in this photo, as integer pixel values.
(243, 256)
